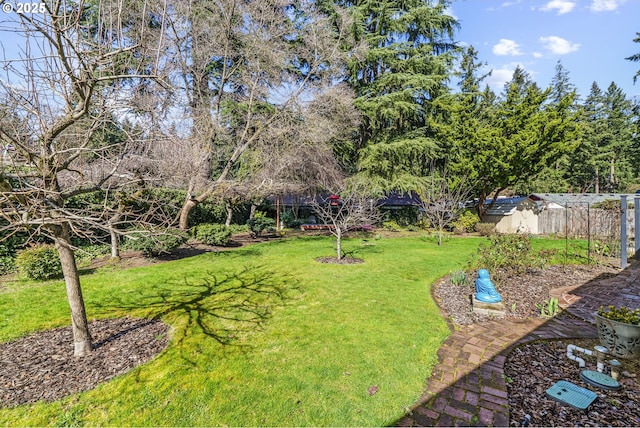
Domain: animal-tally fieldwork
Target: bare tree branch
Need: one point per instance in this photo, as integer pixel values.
(355, 208)
(60, 100)
(442, 199)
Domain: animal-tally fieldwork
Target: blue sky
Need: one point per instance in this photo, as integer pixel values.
(591, 38)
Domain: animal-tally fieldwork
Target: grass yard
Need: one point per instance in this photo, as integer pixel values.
(328, 334)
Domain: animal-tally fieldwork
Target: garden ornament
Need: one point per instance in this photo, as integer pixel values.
(485, 289)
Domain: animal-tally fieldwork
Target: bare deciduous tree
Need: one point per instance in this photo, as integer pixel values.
(355, 208)
(302, 161)
(73, 77)
(240, 68)
(442, 200)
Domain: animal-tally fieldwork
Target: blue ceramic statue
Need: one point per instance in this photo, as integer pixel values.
(485, 290)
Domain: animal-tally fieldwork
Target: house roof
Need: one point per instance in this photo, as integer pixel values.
(573, 199)
(393, 199)
(401, 199)
(506, 206)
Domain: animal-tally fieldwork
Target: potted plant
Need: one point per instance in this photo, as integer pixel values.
(619, 330)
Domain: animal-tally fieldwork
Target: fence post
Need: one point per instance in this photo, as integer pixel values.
(623, 231)
(588, 233)
(636, 214)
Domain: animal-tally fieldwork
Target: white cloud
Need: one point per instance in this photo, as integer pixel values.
(449, 11)
(605, 5)
(562, 6)
(499, 77)
(507, 47)
(503, 73)
(538, 55)
(558, 45)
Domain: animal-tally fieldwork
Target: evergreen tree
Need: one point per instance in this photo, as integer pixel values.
(405, 64)
(553, 178)
(604, 161)
(584, 171)
(616, 139)
(635, 58)
(465, 129)
(512, 140)
(470, 81)
(561, 85)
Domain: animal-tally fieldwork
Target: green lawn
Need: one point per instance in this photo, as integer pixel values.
(328, 333)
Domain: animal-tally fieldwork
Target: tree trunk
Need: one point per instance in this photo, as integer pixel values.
(252, 211)
(229, 209)
(612, 176)
(189, 204)
(115, 248)
(339, 242)
(480, 208)
(81, 337)
(597, 189)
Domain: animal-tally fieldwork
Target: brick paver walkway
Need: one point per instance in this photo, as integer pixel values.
(467, 387)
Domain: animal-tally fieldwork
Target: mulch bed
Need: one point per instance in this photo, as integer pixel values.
(520, 294)
(42, 366)
(532, 368)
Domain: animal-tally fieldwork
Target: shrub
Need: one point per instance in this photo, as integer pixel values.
(459, 277)
(212, 234)
(8, 250)
(289, 220)
(391, 225)
(260, 223)
(403, 216)
(153, 243)
(7, 264)
(40, 262)
(91, 252)
(466, 222)
(238, 228)
(484, 229)
(508, 255)
(7, 259)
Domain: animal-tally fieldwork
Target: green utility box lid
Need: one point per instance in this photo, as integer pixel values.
(571, 394)
(600, 380)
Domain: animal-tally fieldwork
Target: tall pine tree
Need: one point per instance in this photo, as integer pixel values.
(635, 58)
(604, 161)
(404, 66)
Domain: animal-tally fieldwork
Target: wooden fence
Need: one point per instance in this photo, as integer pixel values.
(583, 221)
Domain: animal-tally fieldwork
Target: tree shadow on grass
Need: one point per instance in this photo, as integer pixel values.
(224, 307)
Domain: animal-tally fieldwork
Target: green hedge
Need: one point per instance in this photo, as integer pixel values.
(40, 263)
(154, 243)
(261, 223)
(212, 234)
